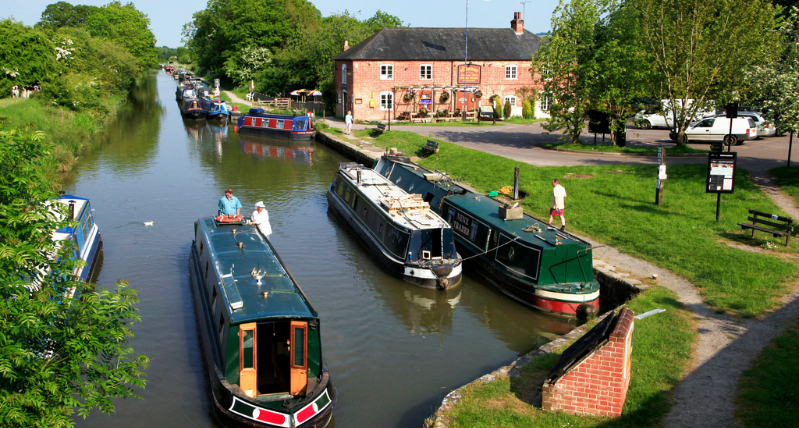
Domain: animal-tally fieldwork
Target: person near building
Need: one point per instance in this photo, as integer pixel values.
(348, 123)
(558, 203)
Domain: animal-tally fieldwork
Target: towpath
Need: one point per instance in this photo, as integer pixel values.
(726, 346)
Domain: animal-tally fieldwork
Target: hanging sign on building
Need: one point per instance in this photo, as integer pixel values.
(468, 74)
(425, 101)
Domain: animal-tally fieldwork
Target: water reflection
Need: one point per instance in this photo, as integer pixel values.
(194, 129)
(300, 151)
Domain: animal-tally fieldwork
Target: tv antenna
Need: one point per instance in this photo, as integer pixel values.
(524, 3)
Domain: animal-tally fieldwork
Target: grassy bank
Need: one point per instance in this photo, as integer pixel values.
(69, 132)
(616, 149)
(768, 396)
(788, 180)
(615, 205)
(661, 354)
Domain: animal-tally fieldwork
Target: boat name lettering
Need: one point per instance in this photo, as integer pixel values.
(460, 228)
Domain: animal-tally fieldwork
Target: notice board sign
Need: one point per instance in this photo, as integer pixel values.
(468, 74)
(721, 172)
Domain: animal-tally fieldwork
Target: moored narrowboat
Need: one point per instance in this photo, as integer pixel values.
(84, 233)
(190, 108)
(214, 108)
(525, 258)
(399, 229)
(276, 125)
(259, 333)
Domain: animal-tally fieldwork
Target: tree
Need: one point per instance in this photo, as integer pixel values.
(58, 353)
(778, 83)
(27, 57)
(497, 104)
(566, 65)
(63, 14)
(506, 110)
(243, 68)
(699, 50)
(127, 27)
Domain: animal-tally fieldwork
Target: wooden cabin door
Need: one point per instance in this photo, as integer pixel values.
(248, 359)
(299, 357)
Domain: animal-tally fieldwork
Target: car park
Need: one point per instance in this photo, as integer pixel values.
(764, 128)
(713, 129)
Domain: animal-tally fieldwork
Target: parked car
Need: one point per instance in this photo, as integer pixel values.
(764, 128)
(661, 116)
(714, 129)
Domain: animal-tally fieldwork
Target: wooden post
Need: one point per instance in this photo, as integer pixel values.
(660, 183)
(790, 145)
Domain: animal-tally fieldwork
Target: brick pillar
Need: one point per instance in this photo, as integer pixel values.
(598, 385)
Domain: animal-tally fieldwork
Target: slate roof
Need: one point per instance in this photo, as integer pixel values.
(444, 44)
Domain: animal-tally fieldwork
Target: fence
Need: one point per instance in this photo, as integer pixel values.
(261, 100)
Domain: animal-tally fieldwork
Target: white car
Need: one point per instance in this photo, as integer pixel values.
(650, 119)
(764, 128)
(713, 129)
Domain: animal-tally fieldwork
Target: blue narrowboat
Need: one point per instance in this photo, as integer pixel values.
(276, 125)
(259, 333)
(83, 232)
(524, 257)
(214, 108)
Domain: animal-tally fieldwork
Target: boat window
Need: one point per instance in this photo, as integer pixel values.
(280, 124)
(201, 248)
(354, 201)
(364, 214)
(221, 324)
(247, 346)
(264, 123)
(206, 270)
(299, 346)
(89, 218)
(213, 301)
(338, 187)
(473, 232)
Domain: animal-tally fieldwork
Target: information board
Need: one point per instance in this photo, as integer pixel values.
(721, 172)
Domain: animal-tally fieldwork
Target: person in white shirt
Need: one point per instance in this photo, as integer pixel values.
(260, 218)
(558, 203)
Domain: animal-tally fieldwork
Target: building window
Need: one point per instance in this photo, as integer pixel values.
(512, 100)
(425, 72)
(546, 72)
(386, 72)
(546, 100)
(338, 100)
(344, 76)
(386, 101)
(510, 72)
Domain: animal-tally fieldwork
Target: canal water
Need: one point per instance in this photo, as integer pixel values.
(394, 350)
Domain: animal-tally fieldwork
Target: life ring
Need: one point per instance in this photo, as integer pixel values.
(229, 218)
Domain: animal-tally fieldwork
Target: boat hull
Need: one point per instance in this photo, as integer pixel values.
(225, 400)
(424, 278)
(277, 133)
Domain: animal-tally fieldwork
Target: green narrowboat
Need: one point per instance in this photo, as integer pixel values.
(522, 256)
(259, 333)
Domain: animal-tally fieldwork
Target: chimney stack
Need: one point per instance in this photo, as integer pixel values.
(346, 44)
(517, 24)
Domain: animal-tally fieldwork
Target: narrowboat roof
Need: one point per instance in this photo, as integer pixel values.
(244, 298)
(80, 203)
(487, 209)
(255, 112)
(408, 210)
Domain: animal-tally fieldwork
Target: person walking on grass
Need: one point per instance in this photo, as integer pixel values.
(558, 203)
(348, 123)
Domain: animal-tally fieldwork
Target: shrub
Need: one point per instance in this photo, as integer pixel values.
(506, 110)
(497, 108)
(527, 110)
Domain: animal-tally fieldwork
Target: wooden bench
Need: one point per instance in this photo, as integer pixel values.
(381, 128)
(487, 113)
(431, 146)
(777, 229)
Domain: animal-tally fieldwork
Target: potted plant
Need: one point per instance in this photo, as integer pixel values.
(444, 97)
(422, 112)
(409, 96)
(478, 94)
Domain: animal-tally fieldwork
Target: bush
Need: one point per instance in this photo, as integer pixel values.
(527, 110)
(507, 109)
(497, 108)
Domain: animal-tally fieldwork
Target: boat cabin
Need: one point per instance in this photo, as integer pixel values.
(84, 233)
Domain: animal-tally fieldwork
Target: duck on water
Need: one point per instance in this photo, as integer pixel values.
(259, 332)
(408, 238)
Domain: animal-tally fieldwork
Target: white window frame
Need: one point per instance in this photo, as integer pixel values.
(512, 99)
(428, 75)
(547, 98)
(511, 72)
(546, 71)
(386, 72)
(344, 75)
(389, 96)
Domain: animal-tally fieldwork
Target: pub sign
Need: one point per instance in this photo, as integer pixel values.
(468, 74)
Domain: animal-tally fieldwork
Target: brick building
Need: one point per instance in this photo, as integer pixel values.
(402, 70)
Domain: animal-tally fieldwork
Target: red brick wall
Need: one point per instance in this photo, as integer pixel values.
(364, 84)
(598, 385)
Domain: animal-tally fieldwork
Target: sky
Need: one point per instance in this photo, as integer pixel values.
(168, 16)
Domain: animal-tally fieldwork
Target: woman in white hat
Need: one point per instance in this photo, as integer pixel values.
(260, 218)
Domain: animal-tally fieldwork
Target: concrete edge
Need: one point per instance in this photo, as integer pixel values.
(440, 419)
(367, 155)
(583, 152)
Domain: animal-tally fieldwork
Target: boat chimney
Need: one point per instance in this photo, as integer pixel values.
(359, 176)
(71, 210)
(518, 23)
(346, 44)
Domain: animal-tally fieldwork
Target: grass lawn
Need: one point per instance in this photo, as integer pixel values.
(615, 205)
(767, 393)
(661, 353)
(241, 107)
(788, 179)
(616, 149)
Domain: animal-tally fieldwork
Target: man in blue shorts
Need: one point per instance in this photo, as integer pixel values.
(229, 204)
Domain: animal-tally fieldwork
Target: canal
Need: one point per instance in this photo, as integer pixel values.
(394, 350)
